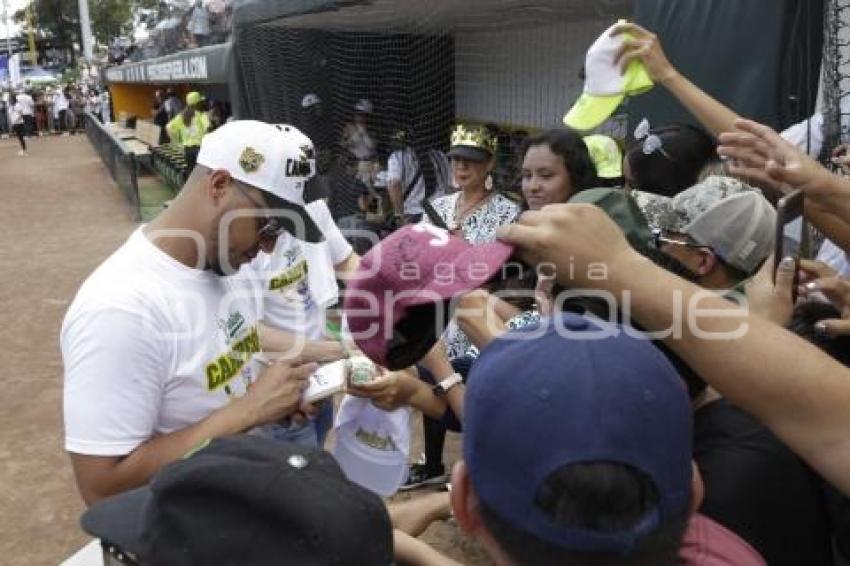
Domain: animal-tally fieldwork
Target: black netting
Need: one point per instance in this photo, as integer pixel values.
(424, 65)
(836, 75)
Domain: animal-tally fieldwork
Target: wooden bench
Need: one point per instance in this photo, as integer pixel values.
(167, 160)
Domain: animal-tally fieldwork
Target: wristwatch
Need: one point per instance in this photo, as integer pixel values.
(442, 388)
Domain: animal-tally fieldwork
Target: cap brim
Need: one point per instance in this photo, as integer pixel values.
(119, 519)
(416, 332)
(295, 219)
(469, 152)
(590, 111)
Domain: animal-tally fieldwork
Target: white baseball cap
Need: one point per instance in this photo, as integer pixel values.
(275, 158)
(605, 86)
(364, 106)
(310, 99)
(372, 445)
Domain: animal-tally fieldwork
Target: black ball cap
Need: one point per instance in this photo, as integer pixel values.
(247, 500)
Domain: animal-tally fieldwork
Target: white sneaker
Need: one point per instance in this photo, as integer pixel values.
(22, 153)
(65, 134)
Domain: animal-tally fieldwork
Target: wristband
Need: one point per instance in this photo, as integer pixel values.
(442, 388)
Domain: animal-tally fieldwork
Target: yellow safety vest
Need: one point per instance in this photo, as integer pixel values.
(190, 135)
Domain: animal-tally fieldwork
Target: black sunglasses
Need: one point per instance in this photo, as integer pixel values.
(659, 238)
(272, 226)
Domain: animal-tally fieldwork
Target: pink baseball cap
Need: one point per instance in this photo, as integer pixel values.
(397, 303)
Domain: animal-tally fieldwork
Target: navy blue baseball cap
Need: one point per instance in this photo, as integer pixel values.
(575, 391)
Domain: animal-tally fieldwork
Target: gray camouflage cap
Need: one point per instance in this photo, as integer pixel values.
(722, 213)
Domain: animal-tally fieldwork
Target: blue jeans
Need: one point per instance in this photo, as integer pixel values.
(311, 433)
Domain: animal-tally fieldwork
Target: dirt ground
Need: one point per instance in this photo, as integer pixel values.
(64, 215)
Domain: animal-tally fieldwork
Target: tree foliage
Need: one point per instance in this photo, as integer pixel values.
(59, 20)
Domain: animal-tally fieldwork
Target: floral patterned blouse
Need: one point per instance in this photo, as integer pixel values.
(478, 228)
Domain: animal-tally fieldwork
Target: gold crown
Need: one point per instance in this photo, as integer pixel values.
(474, 137)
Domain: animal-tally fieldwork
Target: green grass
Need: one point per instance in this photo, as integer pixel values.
(153, 193)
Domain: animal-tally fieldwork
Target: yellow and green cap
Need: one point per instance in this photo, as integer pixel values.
(193, 98)
(606, 156)
(606, 87)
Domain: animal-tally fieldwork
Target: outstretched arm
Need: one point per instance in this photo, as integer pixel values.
(796, 390)
(644, 45)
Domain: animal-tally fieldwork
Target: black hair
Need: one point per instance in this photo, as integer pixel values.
(685, 150)
(569, 145)
(597, 496)
(803, 321)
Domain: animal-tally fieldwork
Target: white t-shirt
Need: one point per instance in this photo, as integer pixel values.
(402, 166)
(59, 103)
(299, 279)
(27, 104)
(16, 114)
(151, 346)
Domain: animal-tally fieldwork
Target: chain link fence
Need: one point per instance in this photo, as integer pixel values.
(122, 163)
(836, 75)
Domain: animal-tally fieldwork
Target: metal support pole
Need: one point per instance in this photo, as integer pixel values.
(85, 25)
(8, 29)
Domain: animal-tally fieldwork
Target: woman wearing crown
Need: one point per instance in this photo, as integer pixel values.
(477, 209)
(474, 213)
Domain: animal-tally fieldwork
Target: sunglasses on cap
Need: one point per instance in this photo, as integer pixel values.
(659, 238)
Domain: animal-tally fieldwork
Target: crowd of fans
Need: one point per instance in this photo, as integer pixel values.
(52, 110)
(637, 379)
(203, 23)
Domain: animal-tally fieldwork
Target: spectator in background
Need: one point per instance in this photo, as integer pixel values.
(94, 104)
(173, 104)
(28, 111)
(40, 113)
(189, 128)
(159, 114)
(105, 108)
(359, 142)
(348, 206)
(16, 116)
(410, 181)
(220, 13)
(78, 107)
(49, 98)
(199, 24)
(60, 110)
